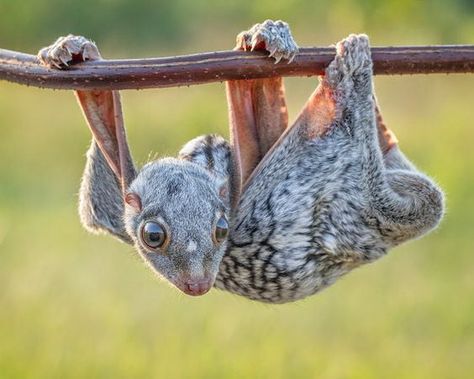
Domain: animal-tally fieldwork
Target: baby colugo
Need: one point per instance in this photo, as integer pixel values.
(279, 213)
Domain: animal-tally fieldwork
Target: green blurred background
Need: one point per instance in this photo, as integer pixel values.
(73, 305)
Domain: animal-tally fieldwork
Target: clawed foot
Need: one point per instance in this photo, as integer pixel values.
(354, 51)
(67, 50)
(352, 59)
(272, 36)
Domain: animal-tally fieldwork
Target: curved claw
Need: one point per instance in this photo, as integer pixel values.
(273, 52)
(68, 49)
(272, 36)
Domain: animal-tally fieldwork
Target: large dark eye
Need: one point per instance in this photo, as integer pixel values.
(153, 235)
(221, 230)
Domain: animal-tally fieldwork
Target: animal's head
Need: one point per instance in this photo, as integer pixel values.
(177, 214)
(174, 211)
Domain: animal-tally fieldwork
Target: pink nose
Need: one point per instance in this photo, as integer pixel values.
(196, 287)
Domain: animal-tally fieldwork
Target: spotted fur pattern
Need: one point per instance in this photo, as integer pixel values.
(321, 202)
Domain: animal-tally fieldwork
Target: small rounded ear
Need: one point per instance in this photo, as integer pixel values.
(134, 201)
(223, 191)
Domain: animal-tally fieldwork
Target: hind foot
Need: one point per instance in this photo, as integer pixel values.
(352, 65)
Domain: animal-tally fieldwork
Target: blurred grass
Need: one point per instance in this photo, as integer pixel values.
(75, 305)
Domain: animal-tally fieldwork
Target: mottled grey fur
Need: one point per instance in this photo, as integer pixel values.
(185, 197)
(315, 208)
(176, 192)
(318, 208)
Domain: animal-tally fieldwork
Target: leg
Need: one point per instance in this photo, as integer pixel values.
(363, 159)
(257, 108)
(404, 201)
(101, 202)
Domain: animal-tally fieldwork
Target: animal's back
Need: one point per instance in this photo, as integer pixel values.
(304, 226)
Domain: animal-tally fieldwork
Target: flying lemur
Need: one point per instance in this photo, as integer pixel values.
(281, 211)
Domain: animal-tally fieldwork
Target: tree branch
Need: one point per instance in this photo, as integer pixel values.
(224, 65)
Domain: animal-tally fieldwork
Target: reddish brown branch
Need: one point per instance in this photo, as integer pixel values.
(224, 65)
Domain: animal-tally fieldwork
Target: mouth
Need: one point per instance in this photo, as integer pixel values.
(195, 287)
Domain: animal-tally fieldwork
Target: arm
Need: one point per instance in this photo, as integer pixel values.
(257, 108)
(109, 167)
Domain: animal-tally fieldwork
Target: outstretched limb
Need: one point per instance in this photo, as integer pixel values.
(257, 108)
(405, 203)
(109, 167)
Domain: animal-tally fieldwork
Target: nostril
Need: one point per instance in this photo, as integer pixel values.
(196, 288)
(193, 287)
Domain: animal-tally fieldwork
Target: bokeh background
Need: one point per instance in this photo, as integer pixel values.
(73, 305)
